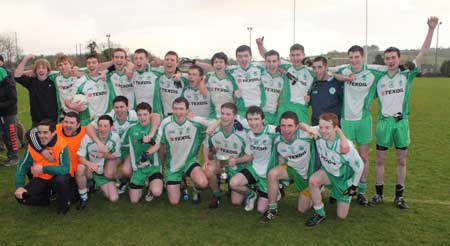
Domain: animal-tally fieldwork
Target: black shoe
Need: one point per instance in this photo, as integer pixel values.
(332, 200)
(92, 188)
(401, 203)
(214, 202)
(82, 205)
(268, 216)
(315, 220)
(11, 162)
(63, 209)
(376, 199)
(362, 200)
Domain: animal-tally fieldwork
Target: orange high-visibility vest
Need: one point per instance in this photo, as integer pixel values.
(73, 142)
(39, 159)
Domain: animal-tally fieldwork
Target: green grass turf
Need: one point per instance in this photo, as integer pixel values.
(427, 222)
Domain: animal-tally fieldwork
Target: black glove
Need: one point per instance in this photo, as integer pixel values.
(185, 60)
(398, 116)
(351, 191)
(238, 126)
(111, 68)
(278, 129)
(144, 157)
(307, 61)
(409, 65)
(291, 77)
(177, 84)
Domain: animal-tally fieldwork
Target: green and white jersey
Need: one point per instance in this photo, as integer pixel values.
(121, 85)
(169, 92)
(393, 92)
(133, 139)
(263, 149)
(234, 145)
(146, 88)
(182, 142)
(298, 153)
(345, 166)
(359, 93)
(89, 149)
(249, 82)
(121, 127)
(273, 86)
(66, 87)
(198, 103)
(296, 93)
(221, 90)
(97, 95)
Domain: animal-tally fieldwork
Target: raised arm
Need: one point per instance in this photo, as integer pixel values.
(20, 70)
(432, 23)
(260, 42)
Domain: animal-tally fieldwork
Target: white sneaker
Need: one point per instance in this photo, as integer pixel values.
(149, 197)
(250, 203)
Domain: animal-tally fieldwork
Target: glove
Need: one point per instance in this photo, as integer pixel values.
(152, 141)
(409, 65)
(292, 78)
(351, 191)
(278, 129)
(238, 126)
(178, 84)
(144, 157)
(185, 60)
(307, 61)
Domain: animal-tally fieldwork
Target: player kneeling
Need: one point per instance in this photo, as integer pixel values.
(145, 166)
(340, 172)
(92, 161)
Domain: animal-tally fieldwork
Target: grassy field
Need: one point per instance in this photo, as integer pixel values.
(427, 222)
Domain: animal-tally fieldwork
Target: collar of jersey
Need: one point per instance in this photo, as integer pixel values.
(334, 145)
(176, 122)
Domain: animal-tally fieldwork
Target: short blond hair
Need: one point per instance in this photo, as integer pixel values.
(41, 62)
(62, 59)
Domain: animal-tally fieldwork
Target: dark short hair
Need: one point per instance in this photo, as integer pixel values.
(220, 56)
(181, 100)
(50, 123)
(322, 59)
(356, 48)
(198, 68)
(120, 99)
(243, 48)
(93, 56)
(144, 106)
(290, 115)
(392, 49)
(170, 52)
(272, 53)
(73, 114)
(255, 110)
(141, 51)
(106, 117)
(231, 106)
(297, 47)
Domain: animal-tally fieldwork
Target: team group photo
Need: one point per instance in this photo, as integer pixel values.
(238, 146)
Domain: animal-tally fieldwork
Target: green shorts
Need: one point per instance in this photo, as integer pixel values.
(358, 131)
(253, 178)
(231, 171)
(176, 177)
(100, 179)
(300, 184)
(300, 109)
(139, 176)
(390, 131)
(338, 186)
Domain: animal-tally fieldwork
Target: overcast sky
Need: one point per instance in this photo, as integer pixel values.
(196, 28)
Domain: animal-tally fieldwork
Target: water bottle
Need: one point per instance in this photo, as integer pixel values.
(185, 194)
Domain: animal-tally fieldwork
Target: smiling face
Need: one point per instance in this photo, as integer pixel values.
(227, 117)
(194, 77)
(104, 128)
(272, 62)
(219, 65)
(296, 56)
(255, 122)
(179, 111)
(244, 58)
(121, 110)
(288, 128)
(355, 58)
(140, 60)
(170, 63)
(119, 60)
(70, 125)
(327, 130)
(44, 134)
(92, 65)
(64, 67)
(392, 60)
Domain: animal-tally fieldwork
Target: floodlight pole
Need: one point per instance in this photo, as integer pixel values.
(109, 45)
(250, 36)
(294, 23)
(367, 20)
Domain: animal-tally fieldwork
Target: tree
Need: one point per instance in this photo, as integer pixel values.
(9, 48)
(378, 60)
(445, 68)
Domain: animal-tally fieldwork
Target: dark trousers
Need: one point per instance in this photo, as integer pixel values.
(8, 128)
(38, 191)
